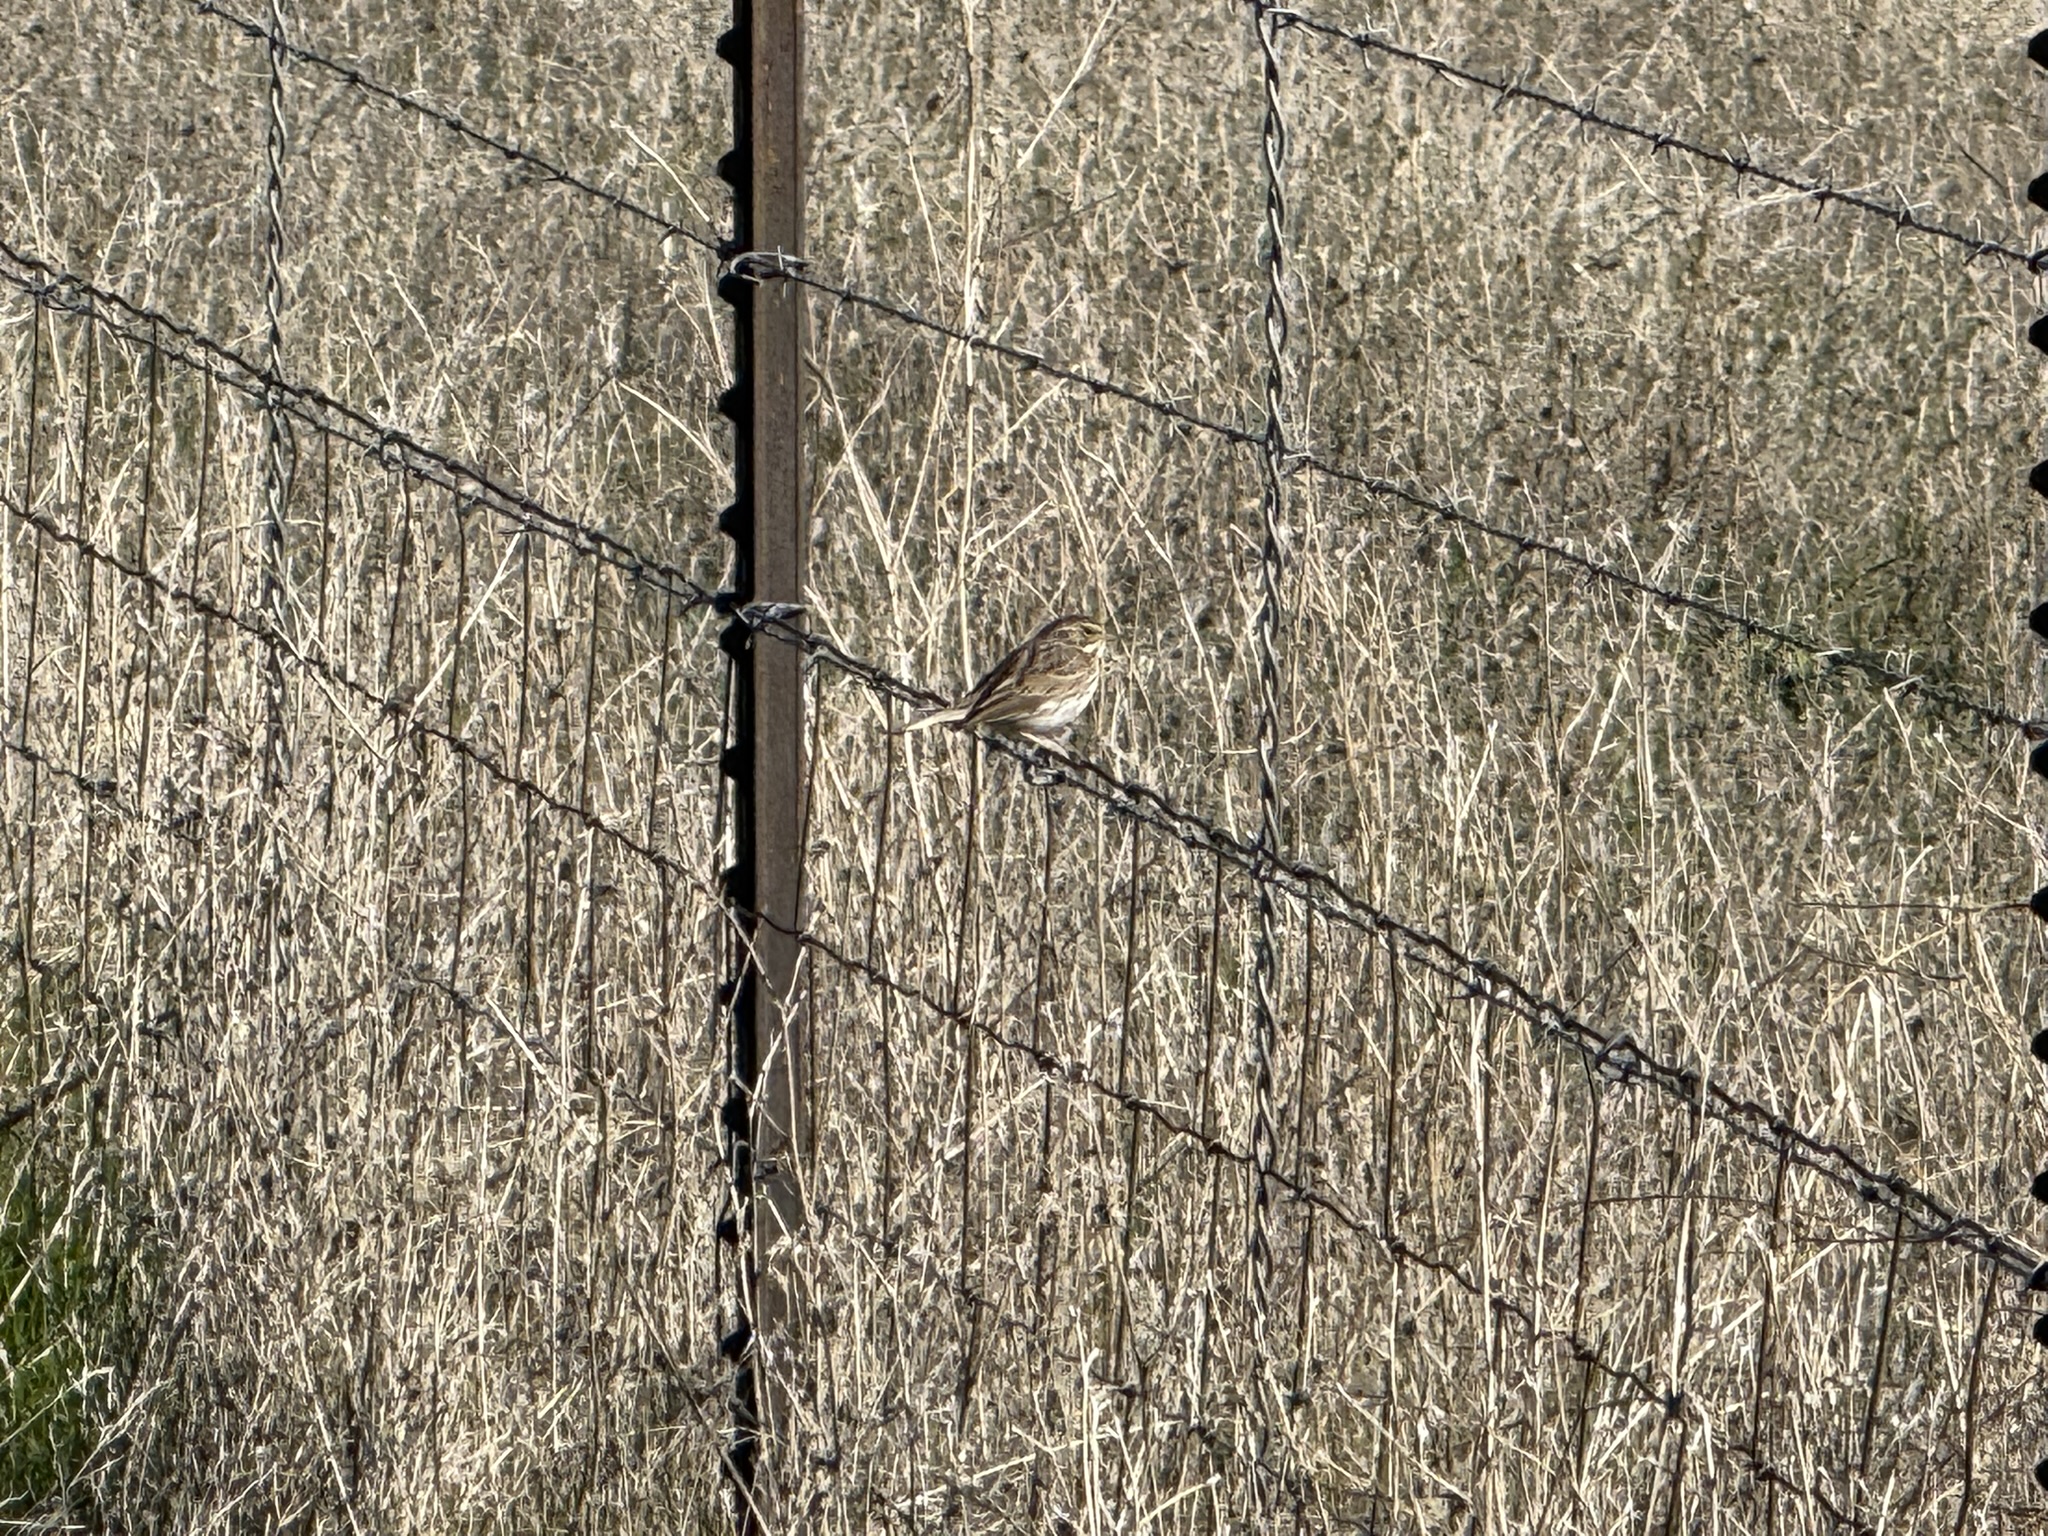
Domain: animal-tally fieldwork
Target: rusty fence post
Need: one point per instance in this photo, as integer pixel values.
(763, 756)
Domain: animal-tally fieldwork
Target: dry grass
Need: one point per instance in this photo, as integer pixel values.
(415, 1230)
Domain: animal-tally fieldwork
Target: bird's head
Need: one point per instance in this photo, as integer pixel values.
(1081, 632)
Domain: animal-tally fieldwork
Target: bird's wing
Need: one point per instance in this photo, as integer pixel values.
(995, 680)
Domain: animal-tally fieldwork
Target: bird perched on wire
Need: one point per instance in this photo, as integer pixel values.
(1036, 692)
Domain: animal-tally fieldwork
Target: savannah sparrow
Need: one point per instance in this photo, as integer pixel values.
(1038, 690)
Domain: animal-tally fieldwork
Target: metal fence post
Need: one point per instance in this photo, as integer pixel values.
(763, 758)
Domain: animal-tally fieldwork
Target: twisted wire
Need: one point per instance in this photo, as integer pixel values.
(1833, 658)
(276, 427)
(1268, 23)
(272, 600)
(1588, 115)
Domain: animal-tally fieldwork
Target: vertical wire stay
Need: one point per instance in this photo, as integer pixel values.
(1583, 1409)
(1884, 1334)
(1307, 1112)
(1384, 1502)
(87, 578)
(1764, 1399)
(275, 769)
(145, 630)
(1970, 1405)
(25, 938)
(1120, 1316)
(1270, 21)
(970, 1087)
(885, 1000)
(1685, 1165)
(276, 427)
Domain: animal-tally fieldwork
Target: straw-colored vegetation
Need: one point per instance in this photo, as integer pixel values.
(367, 1169)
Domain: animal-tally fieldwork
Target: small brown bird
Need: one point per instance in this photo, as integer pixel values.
(1037, 691)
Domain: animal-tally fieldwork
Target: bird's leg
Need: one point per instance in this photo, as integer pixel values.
(1049, 745)
(1039, 769)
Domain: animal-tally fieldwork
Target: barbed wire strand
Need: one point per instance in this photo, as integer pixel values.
(1306, 1193)
(1900, 215)
(455, 123)
(1267, 25)
(1588, 114)
(314, 408)
(1831, 657)
(108, 795)
(1619, 1056)
(407, 712)
(1438, 504)
(409, 722)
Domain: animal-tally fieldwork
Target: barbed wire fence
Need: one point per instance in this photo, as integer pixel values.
(1038, 1124)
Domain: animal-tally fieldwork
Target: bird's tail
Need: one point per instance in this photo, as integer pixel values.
(950, 716)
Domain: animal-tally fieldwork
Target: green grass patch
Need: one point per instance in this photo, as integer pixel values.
(70, 1303)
